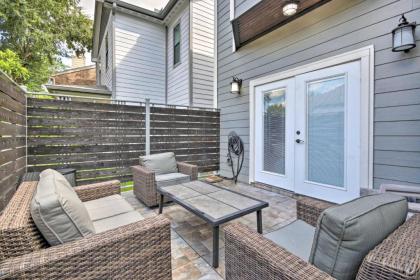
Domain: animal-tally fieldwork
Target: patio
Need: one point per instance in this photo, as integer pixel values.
(124, 238)
(192, 237)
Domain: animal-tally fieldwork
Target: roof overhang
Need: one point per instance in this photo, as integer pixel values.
(266, 16)
(81, 89)
(72, 70)
(99, 5)
(104, 7)
(127, 7)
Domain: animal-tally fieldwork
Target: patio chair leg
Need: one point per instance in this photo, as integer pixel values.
(259, 222)
(216, 246)
(161, 204)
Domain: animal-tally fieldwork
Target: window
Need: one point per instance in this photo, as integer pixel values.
(177, 44)
(106, 52)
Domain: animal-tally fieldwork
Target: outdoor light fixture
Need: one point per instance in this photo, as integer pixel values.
(403, 36)
(290, 8)
(235, 85)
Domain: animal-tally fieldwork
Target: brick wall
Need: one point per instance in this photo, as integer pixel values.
(78, 77)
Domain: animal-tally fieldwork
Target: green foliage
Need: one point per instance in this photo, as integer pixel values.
(276, 109)
(11, 65)
(39, 31)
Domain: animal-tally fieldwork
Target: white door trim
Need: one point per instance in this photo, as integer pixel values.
(366, 57)
(286, 180)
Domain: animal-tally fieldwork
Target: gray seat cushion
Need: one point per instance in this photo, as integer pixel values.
(160, 163)
(117, 221)
(111, 212)
(296, 237)
(170, 179)
(57, 211)
(347, 232)
(107, 207)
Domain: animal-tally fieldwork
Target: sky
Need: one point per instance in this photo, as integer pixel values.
(88, 6)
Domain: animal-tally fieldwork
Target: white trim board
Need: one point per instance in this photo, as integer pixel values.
(231, 10)
(366, 57)
(231, 18)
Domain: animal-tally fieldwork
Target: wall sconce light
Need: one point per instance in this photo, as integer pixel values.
(403, 36)
(235, 85)
(290, 8)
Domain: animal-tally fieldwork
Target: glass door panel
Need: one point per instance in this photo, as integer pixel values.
(325, 131)
(274, 125)
(274, 131)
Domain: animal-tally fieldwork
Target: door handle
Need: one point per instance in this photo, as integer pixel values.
(299, 141)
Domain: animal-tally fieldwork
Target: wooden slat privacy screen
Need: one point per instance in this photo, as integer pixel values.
(101, 141)
(13, 137)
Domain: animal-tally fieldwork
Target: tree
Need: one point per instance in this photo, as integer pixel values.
(40, 31)
(11, 65)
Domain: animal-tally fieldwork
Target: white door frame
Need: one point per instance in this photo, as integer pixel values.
(285, 180)
(366, 57)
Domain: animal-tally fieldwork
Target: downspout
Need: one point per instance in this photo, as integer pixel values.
(166, 64)
(215, 55)
(190, 54)
(114, 68)
(98, 78)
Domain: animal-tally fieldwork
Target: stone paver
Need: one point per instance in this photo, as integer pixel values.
(192, 237)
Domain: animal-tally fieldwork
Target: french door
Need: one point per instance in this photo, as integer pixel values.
(308, 133)
(274, 125)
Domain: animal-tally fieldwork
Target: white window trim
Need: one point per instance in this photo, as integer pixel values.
(366, 57)
(178, 23)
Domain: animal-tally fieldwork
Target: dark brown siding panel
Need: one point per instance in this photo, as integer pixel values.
(192, 134)
(12, 137)
(101, 141)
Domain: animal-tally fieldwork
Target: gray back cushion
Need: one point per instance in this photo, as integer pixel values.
(57, 211)
(347, 232)
(58, 175)
(160, 163)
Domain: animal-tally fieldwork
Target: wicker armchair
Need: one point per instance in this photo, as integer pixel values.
(140, 250)
(251, 256)
(145, 181)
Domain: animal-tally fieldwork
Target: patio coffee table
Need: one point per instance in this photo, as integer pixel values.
(213, 204)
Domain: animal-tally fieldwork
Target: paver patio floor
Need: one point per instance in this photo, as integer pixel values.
(192, 237)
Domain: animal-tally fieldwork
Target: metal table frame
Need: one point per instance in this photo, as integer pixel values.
(215, 223)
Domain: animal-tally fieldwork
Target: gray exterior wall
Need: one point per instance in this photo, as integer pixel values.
(241, 6)
(202, 52)
(179, 75)
(141, 56)
(337, 27)
(139, 59)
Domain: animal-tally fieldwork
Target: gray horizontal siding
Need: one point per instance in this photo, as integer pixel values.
(178, 77)
(140, 59)
(202, 36)
(335, 28)
(241, 6)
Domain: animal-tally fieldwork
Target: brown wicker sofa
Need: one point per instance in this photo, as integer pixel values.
(145, 181)
(251, 256)
(140, 250)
